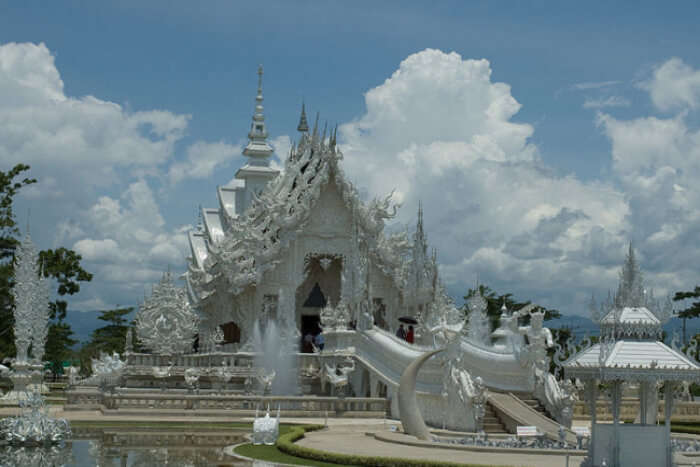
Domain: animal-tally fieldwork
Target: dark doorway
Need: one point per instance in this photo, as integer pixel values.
(309, 327)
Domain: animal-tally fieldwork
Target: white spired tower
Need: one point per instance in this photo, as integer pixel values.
(257, 171)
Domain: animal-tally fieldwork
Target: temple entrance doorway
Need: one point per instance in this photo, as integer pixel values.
(309, 328)
(321, 285)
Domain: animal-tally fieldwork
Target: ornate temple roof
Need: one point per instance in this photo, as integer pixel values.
(252, 228)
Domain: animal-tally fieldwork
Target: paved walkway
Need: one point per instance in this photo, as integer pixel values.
(352, 439)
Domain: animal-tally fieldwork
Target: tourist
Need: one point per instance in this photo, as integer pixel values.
(401, 332)
(319, 341)
(409, 335)
(308, 340)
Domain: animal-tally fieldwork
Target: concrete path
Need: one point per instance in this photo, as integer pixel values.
(352, 439)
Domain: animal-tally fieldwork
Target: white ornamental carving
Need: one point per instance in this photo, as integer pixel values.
(165, 323)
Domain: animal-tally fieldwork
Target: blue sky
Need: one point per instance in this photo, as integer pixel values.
(584, 73)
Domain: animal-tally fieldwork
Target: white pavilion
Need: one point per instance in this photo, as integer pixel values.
(631, 351)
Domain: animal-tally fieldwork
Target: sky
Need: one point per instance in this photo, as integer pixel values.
(541, 137)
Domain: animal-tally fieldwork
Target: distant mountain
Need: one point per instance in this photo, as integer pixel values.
(579, 325)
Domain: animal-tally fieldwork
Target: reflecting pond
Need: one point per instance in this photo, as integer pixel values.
(130, 448)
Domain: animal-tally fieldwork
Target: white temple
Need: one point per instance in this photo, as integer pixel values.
(286, 245)
(295, 289)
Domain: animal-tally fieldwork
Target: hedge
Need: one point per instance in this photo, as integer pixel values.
(286, 443)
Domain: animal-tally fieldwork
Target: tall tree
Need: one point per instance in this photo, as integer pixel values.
(693, 311)
(112, 337)
(61, 264)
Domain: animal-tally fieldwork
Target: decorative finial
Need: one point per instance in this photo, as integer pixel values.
(258, 149)
(303, 126)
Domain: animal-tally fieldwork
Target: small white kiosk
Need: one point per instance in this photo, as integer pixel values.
(630, 351)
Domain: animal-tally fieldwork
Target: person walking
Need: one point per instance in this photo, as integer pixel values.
(409, 335)
(401, 332)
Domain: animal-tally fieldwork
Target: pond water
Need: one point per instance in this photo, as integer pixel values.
(129, 449)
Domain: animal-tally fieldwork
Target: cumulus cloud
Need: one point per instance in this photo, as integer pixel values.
(81, 139)
(439, 130)
(128, 245)
(656, 161)
(83, 150)
(674, 85)
(202, 159)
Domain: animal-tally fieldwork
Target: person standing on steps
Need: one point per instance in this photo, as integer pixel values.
(409, 334)
(401, 332)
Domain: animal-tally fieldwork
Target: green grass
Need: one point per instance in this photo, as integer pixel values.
(287, 444)
(692, 428)
(273, 454)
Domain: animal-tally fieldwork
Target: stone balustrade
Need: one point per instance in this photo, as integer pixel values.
(687, 411)
(128, 402)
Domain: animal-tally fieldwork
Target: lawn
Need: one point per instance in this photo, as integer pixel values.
(272, 454)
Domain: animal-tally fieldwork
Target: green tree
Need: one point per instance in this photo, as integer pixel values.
(59, 345)
(112, 337)
(693, 311)
(495, 302)
(108, 339)
(61, 264)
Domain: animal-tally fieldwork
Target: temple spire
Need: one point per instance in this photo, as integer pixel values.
(303, 126)
(258, 149)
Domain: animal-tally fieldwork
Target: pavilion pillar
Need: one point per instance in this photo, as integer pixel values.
(668, 406)
(643, 401)
(591, 388)
(615, 400)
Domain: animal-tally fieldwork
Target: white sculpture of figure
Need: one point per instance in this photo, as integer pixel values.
(107, 371)
(337, 375)
(128, 342)
(165, 322)
(479, 325)
(327, 317)
(266, 381)
(266, 429)
(342, 315)
(192, 378)
(217, 338)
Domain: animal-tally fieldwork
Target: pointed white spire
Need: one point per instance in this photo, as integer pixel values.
(303, 126)
(258, 149)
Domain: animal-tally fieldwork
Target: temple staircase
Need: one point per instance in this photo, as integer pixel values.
(513, 411)
(492, 424)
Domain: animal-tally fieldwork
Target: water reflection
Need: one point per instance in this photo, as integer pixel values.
(128, 448)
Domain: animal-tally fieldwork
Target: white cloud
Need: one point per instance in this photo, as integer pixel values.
(77, 139)
(202, 159)
(656, 162)
(610, 101)
(128, 244)
(674, 85)
(593, 85)
(439, 130)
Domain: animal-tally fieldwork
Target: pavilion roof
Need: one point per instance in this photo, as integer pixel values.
(632, 360)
